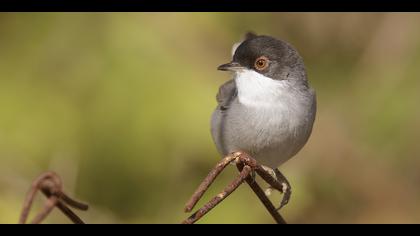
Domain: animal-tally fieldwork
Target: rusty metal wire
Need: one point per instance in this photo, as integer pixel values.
(207, 182)
(220, 197)
(50, 184)
(246, 165)
(263, 198)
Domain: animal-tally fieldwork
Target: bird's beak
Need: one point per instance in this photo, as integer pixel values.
(231, 66)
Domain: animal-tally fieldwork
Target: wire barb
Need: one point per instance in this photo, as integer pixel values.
(246, 165)
(50, 184)
(220, 197)
(207, 182)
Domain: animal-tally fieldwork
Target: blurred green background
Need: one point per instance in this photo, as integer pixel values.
(119, 105)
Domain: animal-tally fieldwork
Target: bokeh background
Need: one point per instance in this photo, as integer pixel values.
(119, 105)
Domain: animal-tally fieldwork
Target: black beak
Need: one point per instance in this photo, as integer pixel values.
(231, 66)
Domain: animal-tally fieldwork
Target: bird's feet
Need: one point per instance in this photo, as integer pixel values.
(277, 181)
(286, 188)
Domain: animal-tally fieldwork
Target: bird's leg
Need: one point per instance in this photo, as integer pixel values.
(277, 181)
(286, 188)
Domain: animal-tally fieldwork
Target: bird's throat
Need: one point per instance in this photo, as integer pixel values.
(255, 89)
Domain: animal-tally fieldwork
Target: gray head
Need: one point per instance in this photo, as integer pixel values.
(268, 56)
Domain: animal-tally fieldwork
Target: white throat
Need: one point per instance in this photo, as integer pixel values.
(255, 89)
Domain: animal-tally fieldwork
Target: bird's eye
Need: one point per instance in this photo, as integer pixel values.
(261, 63)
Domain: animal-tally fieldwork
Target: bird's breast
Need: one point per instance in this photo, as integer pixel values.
(272, 132)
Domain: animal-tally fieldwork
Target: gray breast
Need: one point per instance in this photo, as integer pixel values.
(271, 134)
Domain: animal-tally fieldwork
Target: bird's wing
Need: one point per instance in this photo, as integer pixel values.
(227, 92)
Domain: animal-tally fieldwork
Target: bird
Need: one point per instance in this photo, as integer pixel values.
(268, 108)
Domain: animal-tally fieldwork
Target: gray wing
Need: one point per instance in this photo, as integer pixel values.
(227, 93)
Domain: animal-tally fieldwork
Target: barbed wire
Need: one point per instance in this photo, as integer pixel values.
(246, 165)
(50, 184)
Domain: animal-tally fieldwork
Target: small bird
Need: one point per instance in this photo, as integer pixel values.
(268, 109)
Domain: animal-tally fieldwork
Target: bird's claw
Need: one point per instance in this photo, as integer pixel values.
(287, 193)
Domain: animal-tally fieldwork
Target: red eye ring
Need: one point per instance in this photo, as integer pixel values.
(261, 63)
